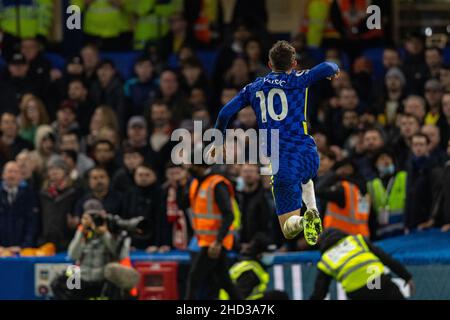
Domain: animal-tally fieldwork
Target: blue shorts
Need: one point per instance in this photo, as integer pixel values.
(287, 184)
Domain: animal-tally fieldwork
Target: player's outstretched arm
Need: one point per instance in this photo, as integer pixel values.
(321, 71)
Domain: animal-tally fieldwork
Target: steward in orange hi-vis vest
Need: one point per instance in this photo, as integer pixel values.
(206, 215)
(353, 218)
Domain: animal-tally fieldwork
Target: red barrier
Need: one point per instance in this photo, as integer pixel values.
(159, 280)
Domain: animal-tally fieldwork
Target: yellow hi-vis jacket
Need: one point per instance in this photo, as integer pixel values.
(351, 263)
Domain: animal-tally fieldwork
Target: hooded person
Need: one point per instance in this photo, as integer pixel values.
(358, 266)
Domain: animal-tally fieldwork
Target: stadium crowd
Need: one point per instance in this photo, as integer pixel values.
(86, 132)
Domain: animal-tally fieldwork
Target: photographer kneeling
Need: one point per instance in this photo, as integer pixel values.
(92, 248)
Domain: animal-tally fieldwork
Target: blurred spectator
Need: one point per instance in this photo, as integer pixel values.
(433, 61)
(107, 89)
(193, 74)
(123, 179)
(70, 158)
(66, 119)
(342, 213)
(180, 34)
(391, 58)
(103, 117)
(373, 141)
(91, 59)
(201, 114)
(152, 21)
(388, 194)
(137, 134)
(39, 66)
(229, 52)
(58, 198)
(36, 23)
(101, 22)
(246, 119)
(238, 75)
(409, 126)
(45, 146)
(160, 132)
(77, 92)
(437, 154)
(142, 88)
(444, 121)
(32, 115)
(70, 141)
(146, 200)
(254, 54)
(99, 188)
(28, 169)
(444, 77)
(433, 97)
(18, 210)
(181, 228)
(256, 215)
(414, 63)
(390, 104)
(324, 174)
(415, 105)
(10, 142)
(16, 83)
(440, 213)
(170, 92)
(104, 156)
(418, 188)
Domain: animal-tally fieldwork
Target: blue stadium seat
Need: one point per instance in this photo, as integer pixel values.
(375, 55)
(447, 54)
(56, 60)
(123, 61)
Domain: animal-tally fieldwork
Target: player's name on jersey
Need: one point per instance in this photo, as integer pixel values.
(275, 81)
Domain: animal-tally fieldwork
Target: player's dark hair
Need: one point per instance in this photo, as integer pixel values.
(281, 55)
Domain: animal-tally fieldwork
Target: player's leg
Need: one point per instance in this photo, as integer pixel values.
(312, 222)
(291, 224)
(288, 203)
(308, 195)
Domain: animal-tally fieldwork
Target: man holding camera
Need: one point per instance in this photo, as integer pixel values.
(93, 247)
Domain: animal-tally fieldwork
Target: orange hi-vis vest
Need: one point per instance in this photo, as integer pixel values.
(206, 215)
(354, 217)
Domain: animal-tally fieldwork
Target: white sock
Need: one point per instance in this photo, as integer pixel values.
(293, 225)
(308, 195)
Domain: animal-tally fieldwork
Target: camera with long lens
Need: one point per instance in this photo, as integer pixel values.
(115, 224)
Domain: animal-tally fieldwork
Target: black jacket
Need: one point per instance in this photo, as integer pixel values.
(54, 212)
(418, 191)
(19, 221)
(255, 214)
(149, 203)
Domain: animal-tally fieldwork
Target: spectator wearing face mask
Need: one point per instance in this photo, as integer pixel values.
(388, 194)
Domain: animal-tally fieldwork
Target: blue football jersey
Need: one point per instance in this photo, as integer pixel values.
(280, 101)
